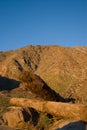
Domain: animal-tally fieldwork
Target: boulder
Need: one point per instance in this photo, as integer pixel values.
(68, 125)
(66, 110)
(74, 126)
(37, 86)
(16, 117)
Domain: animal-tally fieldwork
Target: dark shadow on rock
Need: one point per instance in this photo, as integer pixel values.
(26, 115)
(74, 126)
(8, 84)
(49, 116)
(40, 88)
(35, 116)
(51, 94)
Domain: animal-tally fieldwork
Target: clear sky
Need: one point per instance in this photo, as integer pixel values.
(42, 22)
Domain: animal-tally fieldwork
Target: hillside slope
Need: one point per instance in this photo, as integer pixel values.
(63, 69)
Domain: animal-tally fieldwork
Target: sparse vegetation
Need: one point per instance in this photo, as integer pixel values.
(44, 122)
(61, 69)
(4, 103)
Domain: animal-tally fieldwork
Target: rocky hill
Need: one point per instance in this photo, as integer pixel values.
(64, 69)
(39, 80)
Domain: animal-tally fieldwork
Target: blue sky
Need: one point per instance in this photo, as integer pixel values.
(42, 22)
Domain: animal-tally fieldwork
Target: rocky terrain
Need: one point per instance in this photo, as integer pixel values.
(45, 73)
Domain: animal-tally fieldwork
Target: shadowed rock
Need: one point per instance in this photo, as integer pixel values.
(40, 88)
(8, 84)
(74, 126)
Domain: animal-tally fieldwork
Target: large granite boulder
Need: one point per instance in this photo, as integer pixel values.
(16, 117)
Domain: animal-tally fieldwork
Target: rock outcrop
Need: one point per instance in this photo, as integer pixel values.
(68, 125)
(19, 117)
(66, 110)
(40, 88)
(16, 117)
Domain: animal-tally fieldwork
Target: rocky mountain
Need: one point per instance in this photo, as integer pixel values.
(39, 80)
(64, 69)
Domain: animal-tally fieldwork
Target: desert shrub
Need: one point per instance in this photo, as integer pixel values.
(4, 103)
(44, 122)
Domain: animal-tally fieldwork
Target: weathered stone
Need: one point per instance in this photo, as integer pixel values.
(40, 88)
(16, 117)
(65, 110)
